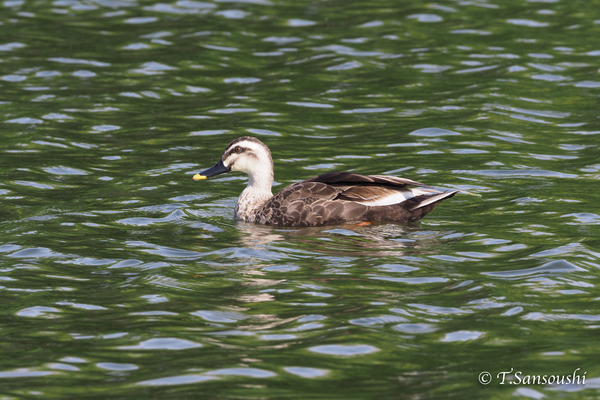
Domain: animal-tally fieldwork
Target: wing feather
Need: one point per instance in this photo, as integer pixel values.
(339, 197)
(351, 178)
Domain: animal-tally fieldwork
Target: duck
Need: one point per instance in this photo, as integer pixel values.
(331, 198)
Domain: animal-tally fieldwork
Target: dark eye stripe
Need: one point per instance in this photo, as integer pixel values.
(235, 150)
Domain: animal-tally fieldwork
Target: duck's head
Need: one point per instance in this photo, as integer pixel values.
(245, 154)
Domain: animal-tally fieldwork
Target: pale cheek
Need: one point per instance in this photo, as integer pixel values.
(230, 162)
(240, 165)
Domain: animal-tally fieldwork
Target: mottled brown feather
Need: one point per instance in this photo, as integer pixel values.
(332, 199)
(365, 193)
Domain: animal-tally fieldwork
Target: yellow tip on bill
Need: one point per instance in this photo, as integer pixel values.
(198, 177)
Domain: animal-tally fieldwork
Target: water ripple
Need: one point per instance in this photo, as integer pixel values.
(144, 221)
(249, 372)
(297, 22)
(426, 18)
(67, 60)
(527, 22)
(548, 269)
(182, 7)
(433, 132)
(501, 173)
(309, 104)
(219, 316)
(61, 170)
(177, 380)
(153, 68)
(583, 218)
(25, 373)
(163, 344)
(118, 367)
(415, 328)
(307, 372)
(11, 46)
(344, 350)
(462, 336)
(39, 312)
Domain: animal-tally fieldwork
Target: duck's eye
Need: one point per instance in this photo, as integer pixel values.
(238, 149)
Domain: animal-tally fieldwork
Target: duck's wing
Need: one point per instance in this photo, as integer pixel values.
(351, 178)
(382, 190)
(338, 197)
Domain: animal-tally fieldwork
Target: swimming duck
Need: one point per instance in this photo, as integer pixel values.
(330, 198)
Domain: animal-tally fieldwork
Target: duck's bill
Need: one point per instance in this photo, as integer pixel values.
(216, 169)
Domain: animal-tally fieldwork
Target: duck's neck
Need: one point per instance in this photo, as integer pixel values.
(256, 194)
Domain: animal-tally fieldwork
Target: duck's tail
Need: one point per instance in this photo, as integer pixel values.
(430, 199)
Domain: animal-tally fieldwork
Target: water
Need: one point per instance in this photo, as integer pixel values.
(123, 278)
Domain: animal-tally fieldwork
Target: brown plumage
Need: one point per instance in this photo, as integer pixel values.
(331, 198)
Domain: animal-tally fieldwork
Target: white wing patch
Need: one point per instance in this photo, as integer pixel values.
(396, 198)
(403, 195)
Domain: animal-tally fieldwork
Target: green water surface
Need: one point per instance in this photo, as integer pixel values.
(122, 278)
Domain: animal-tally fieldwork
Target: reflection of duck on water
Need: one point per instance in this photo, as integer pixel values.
(378, 239)
(331, 198)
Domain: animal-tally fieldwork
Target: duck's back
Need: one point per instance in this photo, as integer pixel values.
(339, 197)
